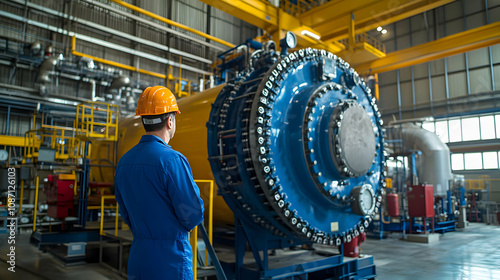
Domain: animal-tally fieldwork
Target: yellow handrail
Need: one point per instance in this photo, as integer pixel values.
(210, 212)
(194, 233)
(36, 203)
(87, 122)
(101, 228)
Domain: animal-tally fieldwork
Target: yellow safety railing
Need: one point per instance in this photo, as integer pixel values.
(178, 87)
(97, 120)
(102, 207)
(56, 139)
(36, 203)
(298, 7)
(479, 184)
(365, 38)
(194, 233)
(32, 142)
(61, 139)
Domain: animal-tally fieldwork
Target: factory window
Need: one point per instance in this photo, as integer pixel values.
(470, 129)
(497, 124)
(475, 161)
(490, 160)
(487, 127)
(455, 130)
(466, 129)
(442, 130)
(457, 161)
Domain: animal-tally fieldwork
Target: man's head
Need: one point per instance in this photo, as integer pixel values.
(157, 106)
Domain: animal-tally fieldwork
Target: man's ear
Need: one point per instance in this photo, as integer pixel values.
(170, 122)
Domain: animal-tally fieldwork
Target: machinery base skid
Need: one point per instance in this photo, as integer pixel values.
(312, 265)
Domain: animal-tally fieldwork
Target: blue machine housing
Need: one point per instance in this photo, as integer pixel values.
(296, 146)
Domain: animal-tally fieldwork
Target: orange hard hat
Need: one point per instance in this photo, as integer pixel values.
(156, 101)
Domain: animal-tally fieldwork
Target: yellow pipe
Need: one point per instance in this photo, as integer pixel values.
(36, 203)
(16, 141)
(377, 93)
(21, 197)
(173, 23)
(113, 63)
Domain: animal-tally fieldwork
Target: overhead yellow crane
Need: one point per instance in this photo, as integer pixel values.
(274, 21)
(466, 41)
(331, 19)
(323, 26)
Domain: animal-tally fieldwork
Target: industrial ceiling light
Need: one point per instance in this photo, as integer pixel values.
(384, 31)
(310, 34)
(379, 28)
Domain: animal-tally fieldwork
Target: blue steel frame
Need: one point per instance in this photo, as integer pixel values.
(331, 267)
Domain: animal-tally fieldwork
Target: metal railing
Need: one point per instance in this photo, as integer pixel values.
(97, 120)
(483, 183)
(102, 207)
(193, 236)
(298, 7)
(365, 38)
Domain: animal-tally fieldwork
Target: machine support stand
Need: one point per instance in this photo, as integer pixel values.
(334, 266)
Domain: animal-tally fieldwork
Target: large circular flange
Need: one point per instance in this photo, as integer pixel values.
(352, 139)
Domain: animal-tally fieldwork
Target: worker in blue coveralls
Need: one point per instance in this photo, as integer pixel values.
(157, 195)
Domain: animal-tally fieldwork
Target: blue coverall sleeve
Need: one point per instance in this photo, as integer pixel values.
(122, 208)
(184, 193)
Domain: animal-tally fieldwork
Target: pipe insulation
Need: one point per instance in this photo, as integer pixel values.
(433, 166)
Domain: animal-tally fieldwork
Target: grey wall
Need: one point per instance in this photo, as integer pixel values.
(188, 12)
(20, 71)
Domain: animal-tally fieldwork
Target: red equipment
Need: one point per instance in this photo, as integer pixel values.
(351, 249)
(421, 203)
(60, 195)
(393, 204)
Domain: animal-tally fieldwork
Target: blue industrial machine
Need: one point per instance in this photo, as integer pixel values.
(295, 143)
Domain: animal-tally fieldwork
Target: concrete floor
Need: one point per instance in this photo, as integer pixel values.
(473, 253)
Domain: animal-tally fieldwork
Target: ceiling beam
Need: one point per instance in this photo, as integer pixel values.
(466, 41)
(332, 10)
(258, 13)
(367, 17)
(273, 20)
